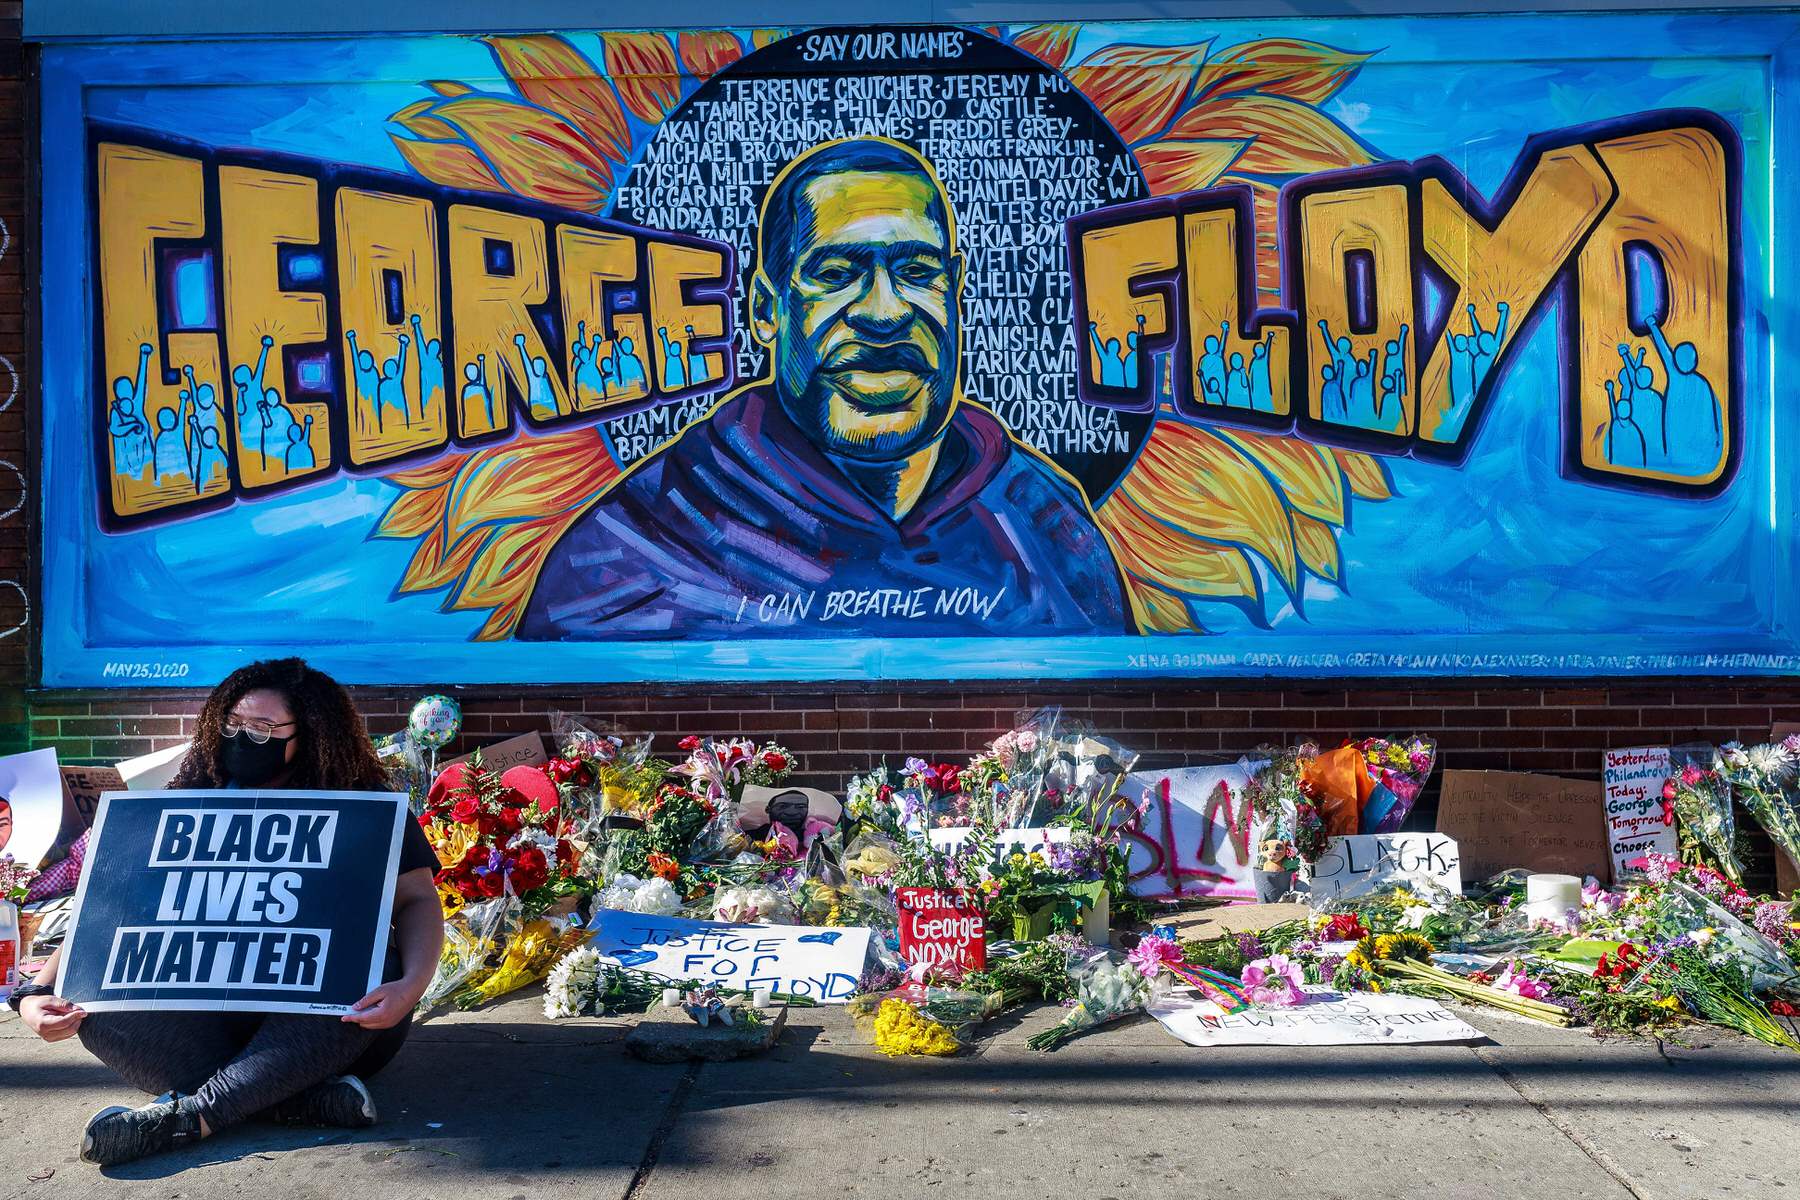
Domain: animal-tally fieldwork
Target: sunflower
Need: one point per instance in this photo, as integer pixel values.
(1390, 947)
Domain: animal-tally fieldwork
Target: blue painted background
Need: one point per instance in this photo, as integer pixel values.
(1499, 567)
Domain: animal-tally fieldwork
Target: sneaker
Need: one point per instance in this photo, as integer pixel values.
(342, 1102)
(117, 1134)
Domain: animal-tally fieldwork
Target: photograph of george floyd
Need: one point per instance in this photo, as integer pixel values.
(596, 601)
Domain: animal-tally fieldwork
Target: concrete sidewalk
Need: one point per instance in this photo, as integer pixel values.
(507, 1105)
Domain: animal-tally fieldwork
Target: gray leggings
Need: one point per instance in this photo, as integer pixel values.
(235, 1065)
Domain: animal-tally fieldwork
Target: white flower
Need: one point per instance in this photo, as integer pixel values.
(1772, 761)
(1733, 754)
(1702, 936)
(628, 893)
(570, 989)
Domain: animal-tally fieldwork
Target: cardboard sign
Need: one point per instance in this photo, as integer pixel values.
(147, 772)
(942, 928)
(82, 789)
(1366, 860)
(526, 750)
(239, 901)
(31, 805)
(1006, 841)
(1504, 819)
(1631, 783)
(1328, 1018)
(1195, 835)
(822, 963)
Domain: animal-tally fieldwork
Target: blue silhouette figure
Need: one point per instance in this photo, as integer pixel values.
(209, 456)
(1112, 367)
(1331, 393)
(1262, 389)
(1691, 433)
(1128, 370)
(1393, 379)
(538, 396)
(696, 363)
(431, 366)
(1621, 420)
(588, 375)
(674, 370)
(171, 451)
(276, 420)
(299, 453)
(206, 403)
(368, 379)
(124, 420)
(1237, 384)
(628, 368)
(1485, 344)
(391, 390)
(252, 402)
(1637, 384)
(1212, 362)
(1214, 394)
(475, 387)
(1360, 406)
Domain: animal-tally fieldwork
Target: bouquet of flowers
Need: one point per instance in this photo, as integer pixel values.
(527, 959)
(1290, 830)
(583, 984)
(628, 893)
(1399, 768)
(934, 796)
(1762, 779)
(751, 903)
(721, 769)
(1104, 992)
(499, 835)
(870, 802)
(1707, 826)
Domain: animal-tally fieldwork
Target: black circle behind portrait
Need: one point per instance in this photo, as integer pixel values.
(1019, 150)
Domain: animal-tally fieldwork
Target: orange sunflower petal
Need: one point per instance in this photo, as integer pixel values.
(767, 37)
(1171, 167)
(449, 163)
(448, 87)
(1368, 477)
(644, 68)
(1051, 43)
(707, 52)
(1171, 558)
(553, 74)
(1318, 547)
(535, 153)
(1138, 88)
(1286, 137)
(1307, 474)
(1305, 71)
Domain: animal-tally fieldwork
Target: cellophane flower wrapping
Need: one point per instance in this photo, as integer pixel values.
(1104, 991)
(921, 1019)
(473, 938)
(527, 958)
(1400, 768)
(1701, 794)
(1763, 779)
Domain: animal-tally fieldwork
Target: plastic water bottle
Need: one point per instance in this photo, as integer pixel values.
(9, 947)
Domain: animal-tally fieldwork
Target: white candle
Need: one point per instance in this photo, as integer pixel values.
(1550, 897)
(671, 997)
(760, 997)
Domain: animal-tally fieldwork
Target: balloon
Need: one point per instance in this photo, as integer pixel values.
(435, 721)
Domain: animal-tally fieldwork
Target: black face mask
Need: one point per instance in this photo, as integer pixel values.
(249, 765)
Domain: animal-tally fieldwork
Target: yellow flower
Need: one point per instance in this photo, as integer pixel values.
(899, 1029)
(1036, 859)
(1670, 1003)
(1017, 859)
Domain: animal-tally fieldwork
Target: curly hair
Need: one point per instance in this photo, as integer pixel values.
(334, 753)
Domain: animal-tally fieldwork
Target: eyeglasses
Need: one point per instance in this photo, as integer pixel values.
(257, 731)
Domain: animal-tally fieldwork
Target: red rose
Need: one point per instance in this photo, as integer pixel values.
(425, 820)
(464, 811)
(530, 870)
(774, 761)
(511, 820)
(492, 884)
(690, 743)
(1782, 1008)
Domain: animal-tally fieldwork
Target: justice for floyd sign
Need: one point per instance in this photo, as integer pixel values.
(234, 901)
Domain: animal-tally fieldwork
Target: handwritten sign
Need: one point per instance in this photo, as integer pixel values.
(82, 788)
(1194, 836)
(822, 963)
(526, 750)
(235, 901)
(1327, 1018)
(1365, 860)
(941, 927)
(1505, 819)
(1631, 783)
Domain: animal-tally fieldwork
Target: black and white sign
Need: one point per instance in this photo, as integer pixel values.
(234, 901)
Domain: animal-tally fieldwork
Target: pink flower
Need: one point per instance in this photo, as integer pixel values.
(1692, 774)
(1152, 952)
(1514, 980)
(1274, 981)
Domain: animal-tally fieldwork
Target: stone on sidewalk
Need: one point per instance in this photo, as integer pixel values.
(669, 1035)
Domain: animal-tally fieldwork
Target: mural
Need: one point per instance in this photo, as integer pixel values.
(929, 351)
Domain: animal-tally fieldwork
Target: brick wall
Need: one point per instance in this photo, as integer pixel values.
(16, 535)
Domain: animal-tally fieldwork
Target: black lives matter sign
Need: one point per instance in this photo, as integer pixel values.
(233, 900)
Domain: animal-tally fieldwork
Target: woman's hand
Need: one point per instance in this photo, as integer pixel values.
(386, 1006)
(51, 1017)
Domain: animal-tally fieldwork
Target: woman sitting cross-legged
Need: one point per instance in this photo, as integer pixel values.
(270, 726)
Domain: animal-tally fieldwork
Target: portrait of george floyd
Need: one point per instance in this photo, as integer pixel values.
(855, 486)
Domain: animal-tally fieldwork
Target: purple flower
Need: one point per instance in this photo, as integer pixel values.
(917, 766)
(1774, 921)
(1250, 946)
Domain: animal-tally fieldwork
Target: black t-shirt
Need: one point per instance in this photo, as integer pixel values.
(415, 850)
